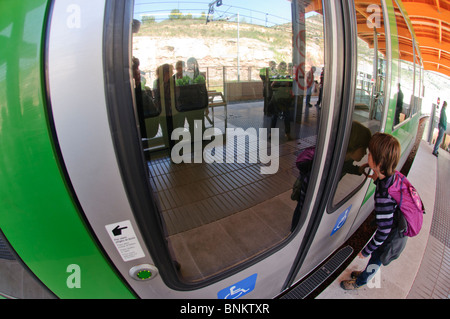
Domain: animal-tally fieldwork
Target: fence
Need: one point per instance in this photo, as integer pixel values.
(236, 84)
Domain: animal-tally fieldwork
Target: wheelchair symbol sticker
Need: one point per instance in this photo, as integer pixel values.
(239, 289)
(341, 220)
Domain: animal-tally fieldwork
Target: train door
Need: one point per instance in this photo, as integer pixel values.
(362, 115)
(182, 171)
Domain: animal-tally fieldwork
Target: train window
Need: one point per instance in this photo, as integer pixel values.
(405, 86)
(222, 121)
(369, 95)
(417, 83)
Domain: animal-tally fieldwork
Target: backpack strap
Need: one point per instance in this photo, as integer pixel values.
(401, 186)
(398, 184)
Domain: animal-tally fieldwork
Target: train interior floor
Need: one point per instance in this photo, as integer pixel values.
(204, 206)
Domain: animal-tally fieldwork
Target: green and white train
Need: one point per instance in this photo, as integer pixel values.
(93, 202)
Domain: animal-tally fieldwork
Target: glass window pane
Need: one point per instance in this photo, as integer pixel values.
(369, 95)
(222, 121)
(405, 86)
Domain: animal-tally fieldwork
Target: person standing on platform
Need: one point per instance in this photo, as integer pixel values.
(442, 128)
(399, 105)
(387, 243)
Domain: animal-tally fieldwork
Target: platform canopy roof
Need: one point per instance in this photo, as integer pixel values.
(431, 23)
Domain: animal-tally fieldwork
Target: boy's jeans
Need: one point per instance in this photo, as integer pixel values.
(372, 267)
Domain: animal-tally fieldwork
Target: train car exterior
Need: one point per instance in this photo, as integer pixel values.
(150, 151)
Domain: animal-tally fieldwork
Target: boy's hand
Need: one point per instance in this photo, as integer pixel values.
(365, 169)
(360, 255)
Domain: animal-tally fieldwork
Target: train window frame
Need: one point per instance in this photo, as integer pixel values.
(400, 61)
(418, 74)
(118, 92)
(331, 206)
(130, 155)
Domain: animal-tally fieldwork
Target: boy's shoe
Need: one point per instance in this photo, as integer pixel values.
(349, 284)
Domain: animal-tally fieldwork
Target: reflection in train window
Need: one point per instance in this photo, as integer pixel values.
(369, 95)
(210, 84)
(417, 84)
(405, 86)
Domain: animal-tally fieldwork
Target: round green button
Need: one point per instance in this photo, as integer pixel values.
(144, 274)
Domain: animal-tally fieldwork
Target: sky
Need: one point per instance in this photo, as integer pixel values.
(263, 12)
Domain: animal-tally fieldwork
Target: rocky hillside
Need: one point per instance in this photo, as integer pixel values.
(215, 44)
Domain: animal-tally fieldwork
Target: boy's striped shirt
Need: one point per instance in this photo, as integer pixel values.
(385, 207)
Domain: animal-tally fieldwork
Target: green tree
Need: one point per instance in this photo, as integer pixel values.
(148, 19)
(175, 14)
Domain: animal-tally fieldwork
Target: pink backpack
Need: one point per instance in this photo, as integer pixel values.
(409, 203)
(306, 155)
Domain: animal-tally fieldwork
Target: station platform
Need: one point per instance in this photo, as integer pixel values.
(423, 269)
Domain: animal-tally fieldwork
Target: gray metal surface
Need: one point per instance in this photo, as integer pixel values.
(307, 286)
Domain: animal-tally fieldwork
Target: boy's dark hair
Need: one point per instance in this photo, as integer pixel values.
(385, 151)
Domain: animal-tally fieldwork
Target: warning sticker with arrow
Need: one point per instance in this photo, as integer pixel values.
(125, 240)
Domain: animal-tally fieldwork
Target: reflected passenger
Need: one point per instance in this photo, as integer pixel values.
(399, 105)
(267, 89)
(193, 72)
(138, 95)
(309, 85)
(145, 105)
(282, 99)
(163, 88)
(319, 101)
(357, 148)
(179, 68)
(304, 164)
(280, 104)
(388, 242)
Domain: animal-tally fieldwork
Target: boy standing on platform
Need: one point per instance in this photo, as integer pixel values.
(387, 243)
(442, 128)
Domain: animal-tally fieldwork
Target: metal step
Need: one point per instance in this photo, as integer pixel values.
(307, 286)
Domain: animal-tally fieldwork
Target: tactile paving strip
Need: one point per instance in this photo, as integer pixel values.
(440, 226)
(433, 278)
